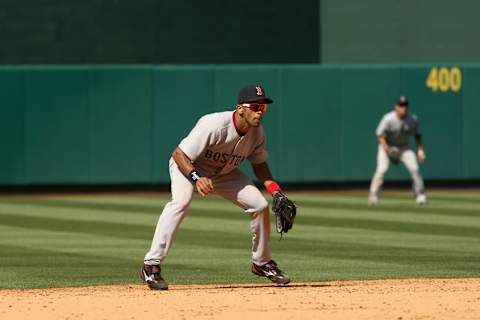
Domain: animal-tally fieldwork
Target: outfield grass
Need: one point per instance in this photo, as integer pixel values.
(86, 240)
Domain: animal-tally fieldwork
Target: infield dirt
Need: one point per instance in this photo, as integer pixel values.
(378, 299)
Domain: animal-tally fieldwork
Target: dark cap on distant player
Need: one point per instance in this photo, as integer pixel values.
(402, 101)
(253, 94)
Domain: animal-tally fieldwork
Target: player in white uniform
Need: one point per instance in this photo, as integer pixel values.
(207, 161)
(394, 132)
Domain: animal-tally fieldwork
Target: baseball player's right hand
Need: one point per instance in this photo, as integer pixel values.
(421, 155)
(204, 186)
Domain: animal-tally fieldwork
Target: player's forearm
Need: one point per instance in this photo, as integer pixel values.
(383, 142)
(419, 141)
(204, 185)
(183, 162)
(263, 173)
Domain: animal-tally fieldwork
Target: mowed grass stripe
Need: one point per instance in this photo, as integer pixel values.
(124, 207)
(24, 267)
(408, 195)
(64, 241)
(98, 228)
(122, 231)
(400, 199)
(444, 210)
(347, 201)
(133, 218)
(350, 219)
(323, 209)
(454, 195)
(108, 248)
(49, 268)
(377, 253)
(468, 227)
(156, 203)
(142, 218)
(80, 214)
(111, 248)
(395, 198)
(139, 231)
(421, 215)
(386, 238)
(305, 232)
(85, 205)
(327, 249)
(389, 198)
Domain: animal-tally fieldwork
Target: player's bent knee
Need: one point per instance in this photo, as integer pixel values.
(416, 174)
(263, 205)
(378, 176)
(259, 206)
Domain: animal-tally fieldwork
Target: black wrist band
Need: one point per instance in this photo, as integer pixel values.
(194, 176)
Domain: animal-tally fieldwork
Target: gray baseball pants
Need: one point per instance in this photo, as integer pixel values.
(408, 158)
(233, 186)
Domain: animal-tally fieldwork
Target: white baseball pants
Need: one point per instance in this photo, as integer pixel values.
(408, 158)
(234, 186)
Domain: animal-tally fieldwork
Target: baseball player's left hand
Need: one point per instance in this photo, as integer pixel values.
(285, 211)
(421, 155)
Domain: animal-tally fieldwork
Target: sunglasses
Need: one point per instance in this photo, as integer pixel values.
(255, 107)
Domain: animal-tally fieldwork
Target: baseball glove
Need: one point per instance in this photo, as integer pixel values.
(285, 211)
(394, 154)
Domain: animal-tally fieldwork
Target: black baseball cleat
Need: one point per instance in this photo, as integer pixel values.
(271, 271)
(151, 275)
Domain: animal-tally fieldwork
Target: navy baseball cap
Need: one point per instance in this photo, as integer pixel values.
(402, 101)
(253, 94)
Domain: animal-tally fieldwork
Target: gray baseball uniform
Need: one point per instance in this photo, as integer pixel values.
(216, 150)
(397, 133)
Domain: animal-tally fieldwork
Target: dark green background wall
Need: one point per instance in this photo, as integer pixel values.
(229, 31)
(117, 124)
(399, 31)
(153, 31)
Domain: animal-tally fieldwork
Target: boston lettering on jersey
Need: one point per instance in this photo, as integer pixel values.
(233, 159)
(215, 147)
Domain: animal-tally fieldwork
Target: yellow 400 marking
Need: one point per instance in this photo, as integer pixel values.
(444, 79)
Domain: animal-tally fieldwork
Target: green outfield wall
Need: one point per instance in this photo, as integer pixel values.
(119, 124)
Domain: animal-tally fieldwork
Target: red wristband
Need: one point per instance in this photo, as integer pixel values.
(273, 187)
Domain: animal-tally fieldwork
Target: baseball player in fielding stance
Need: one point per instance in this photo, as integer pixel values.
(394, 132)
(207, 161)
